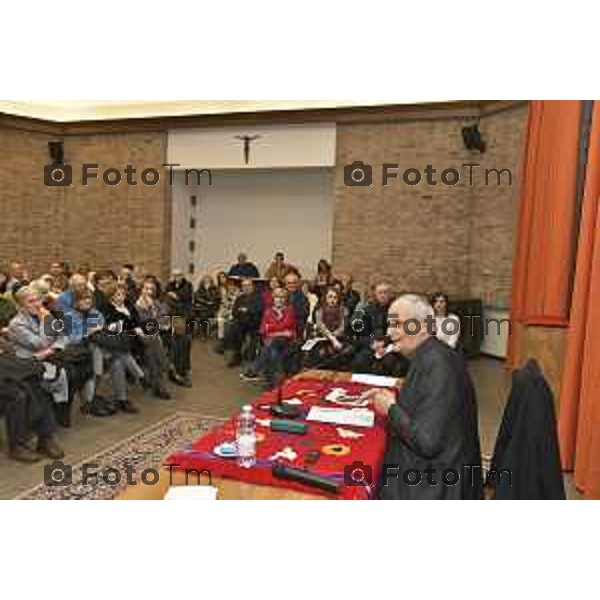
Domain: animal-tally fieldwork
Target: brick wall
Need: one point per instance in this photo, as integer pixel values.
(26, 232)
(456, 238)
(98, 224)
(424, 238)
(415, 237)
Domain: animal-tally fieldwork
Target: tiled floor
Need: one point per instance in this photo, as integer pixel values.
(218, 391)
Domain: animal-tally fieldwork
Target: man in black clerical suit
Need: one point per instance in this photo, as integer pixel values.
(433, 441)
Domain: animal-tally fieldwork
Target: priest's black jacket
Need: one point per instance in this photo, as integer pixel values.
(433, 447)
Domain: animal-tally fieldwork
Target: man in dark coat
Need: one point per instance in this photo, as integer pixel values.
(27, 408)
(433, 441)
(369, 326)
(247, 313)
(179, 294)
(244, 268)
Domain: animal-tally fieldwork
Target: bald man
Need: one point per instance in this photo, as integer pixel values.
(433, 441)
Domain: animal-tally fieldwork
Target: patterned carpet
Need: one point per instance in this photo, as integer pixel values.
(141, 451)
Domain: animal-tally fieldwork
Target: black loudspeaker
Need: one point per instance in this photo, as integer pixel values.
(57, 152)
(472, 138)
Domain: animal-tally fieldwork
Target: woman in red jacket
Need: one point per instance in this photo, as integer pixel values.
(278, 332)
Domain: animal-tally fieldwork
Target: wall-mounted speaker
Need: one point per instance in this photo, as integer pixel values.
(57, 152)
(472, 138)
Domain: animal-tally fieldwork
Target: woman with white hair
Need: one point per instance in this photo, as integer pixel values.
(31, 334)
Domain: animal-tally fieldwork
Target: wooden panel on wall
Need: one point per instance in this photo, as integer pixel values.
(547, 345)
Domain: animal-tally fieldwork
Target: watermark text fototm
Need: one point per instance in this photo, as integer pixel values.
(61, 175)
(359, 473)
(59, 474)
(360, 174)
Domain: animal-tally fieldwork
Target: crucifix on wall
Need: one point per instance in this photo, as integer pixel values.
(247, 139)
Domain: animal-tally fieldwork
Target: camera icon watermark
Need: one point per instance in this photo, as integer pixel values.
(57, 326)
(358, 473)
(58, 175)
(57, 474)
(358, 174)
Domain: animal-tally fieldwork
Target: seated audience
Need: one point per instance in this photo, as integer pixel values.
(244, 268)
(324, 278)
(157, 284)
(26, 407)
(267, 295)
(225, 313)
(156, 326)
(77, 284)
(330, 324)
(179, 294)
(57, 269)
(246, 313)
(79, 357)
(278, 331)
(30, 334)
(350, 297)
(278, 269)
(206, 304)
(222, 279)
(18, 276)
(60, 278)
(369, 326)
(298, 301)
(313, 301)
(179, 297)
(127, 279)
(122, 315)
(447, 325)
(8, 308)
(107, 349)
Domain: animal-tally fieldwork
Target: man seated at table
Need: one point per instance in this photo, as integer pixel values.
(433, 440)
(243, 268)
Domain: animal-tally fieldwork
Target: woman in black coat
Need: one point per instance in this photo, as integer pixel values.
(206, 304)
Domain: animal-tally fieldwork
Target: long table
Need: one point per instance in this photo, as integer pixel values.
(257, 483)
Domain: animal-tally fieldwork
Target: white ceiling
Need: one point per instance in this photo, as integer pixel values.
(78, 110)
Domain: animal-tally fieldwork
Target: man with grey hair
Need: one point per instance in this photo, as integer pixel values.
(433, 440)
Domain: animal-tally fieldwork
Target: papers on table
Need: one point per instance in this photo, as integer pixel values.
(192, 492)
(340, 396)
(374, 380)
(359, 417)
(310, 344)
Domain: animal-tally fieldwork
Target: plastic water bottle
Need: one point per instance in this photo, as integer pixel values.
(246, 438)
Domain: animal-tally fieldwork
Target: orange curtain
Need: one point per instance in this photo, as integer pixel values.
(579, 419)
(546, 234)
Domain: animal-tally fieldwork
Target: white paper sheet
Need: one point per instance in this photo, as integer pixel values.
(374, 380)
(192, 492)
(310, 344)
(359, 417)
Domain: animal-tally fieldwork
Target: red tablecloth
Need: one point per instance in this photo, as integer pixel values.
(368, 449)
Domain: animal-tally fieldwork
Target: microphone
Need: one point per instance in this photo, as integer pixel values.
(282, 471)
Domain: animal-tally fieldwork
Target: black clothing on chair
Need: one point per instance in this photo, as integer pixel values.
(526, 462)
